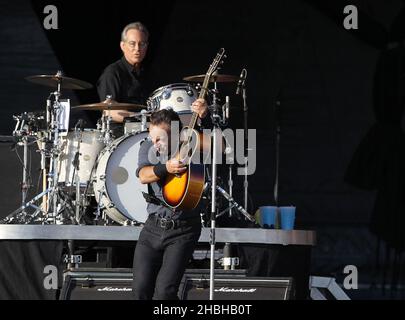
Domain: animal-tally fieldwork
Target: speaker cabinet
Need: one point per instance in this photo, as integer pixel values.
(116, 284)
(197, 287)
(97, 284)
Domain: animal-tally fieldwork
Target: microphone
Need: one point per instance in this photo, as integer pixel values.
(241, 81)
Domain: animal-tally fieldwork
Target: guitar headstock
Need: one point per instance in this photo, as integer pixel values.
(215, 65)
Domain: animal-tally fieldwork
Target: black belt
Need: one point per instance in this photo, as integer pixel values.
(168, 223)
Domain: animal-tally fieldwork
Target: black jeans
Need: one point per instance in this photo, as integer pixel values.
(160, 259)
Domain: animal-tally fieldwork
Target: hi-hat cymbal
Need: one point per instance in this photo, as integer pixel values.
(65, 82)
(110, 104)
(214, 78)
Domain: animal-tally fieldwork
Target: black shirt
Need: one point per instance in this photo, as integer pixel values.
(148, 156)
(123, 83)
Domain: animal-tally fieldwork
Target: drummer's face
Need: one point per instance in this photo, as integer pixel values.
(134, 46)
(160, 137)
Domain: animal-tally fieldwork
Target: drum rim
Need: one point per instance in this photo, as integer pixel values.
(177, 84)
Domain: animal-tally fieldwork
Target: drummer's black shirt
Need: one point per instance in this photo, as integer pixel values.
(123, 83)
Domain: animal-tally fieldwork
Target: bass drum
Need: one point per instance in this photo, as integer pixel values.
(117, 189)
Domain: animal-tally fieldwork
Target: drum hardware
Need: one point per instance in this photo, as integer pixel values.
(53, 197)
(106, 129)
(100, 206)
(79, 203)
(144, 121)
(25, 133)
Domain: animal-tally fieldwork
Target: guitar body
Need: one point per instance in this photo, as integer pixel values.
(183, 191)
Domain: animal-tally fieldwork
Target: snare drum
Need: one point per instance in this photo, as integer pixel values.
(84, 146)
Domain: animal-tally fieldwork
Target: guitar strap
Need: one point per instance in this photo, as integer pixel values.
(150, 198)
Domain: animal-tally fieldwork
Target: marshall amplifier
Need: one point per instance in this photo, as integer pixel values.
(97, 284)
(197, 287)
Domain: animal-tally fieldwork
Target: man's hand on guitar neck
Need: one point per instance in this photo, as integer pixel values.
(200, 107)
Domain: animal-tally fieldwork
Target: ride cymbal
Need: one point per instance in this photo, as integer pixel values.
(214, 78)
(54, 80)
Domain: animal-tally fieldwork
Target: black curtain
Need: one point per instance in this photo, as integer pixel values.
(22, 267)
(379, 161)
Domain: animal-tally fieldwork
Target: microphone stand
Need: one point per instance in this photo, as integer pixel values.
(245, 128)
(276, 181)
(242, 85)
(216, 126)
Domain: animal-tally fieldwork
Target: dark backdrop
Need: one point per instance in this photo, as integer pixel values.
(297, 50)
(294, 49)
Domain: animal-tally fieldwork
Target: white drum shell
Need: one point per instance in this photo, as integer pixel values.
(91, 143)
(177, 96)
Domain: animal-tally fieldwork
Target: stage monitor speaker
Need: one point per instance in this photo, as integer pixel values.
(197, 287)
(97, 284)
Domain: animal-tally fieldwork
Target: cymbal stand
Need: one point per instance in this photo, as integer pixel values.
(76, 165)
(50, 192)
(53, 176)
(106, 124)
(105, 128)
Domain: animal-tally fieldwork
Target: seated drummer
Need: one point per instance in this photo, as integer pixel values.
(124, 80)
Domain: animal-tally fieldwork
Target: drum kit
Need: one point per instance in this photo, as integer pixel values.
(89, 169)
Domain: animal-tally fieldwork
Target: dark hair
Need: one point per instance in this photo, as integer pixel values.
(165, 116)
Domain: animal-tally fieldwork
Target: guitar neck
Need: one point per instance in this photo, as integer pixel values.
(203, 93)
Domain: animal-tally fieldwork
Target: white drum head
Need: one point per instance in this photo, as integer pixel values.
(116, 174)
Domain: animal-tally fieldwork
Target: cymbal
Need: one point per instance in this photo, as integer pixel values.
(53, 80)
(110, 104)
(214, 78)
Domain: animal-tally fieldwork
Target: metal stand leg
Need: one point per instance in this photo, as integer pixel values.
(213, 210)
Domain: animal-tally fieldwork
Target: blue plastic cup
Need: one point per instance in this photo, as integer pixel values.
(287, 217)
(268, 217)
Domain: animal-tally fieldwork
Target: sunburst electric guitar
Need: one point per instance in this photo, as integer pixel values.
(183, 191)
